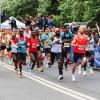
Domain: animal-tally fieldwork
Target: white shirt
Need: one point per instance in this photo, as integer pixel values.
(14, 48)
(56, 48)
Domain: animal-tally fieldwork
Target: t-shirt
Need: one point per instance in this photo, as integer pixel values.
(56, 47)
(47, 40)
(34, 43)
(14, 45)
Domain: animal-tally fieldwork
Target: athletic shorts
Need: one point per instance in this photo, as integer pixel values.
(33, 56)
(3, 47)
(65, 51)
(21, 56)
(78, 55)
(8, 49)
(56, 55)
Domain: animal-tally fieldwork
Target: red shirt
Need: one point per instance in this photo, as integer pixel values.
(81, 44)
(33, 44)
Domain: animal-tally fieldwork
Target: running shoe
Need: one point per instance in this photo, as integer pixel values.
(84, 73)
(49, 64)
(31, 72)
(91, 71)
(10, 62)
(60, 77)
(16, 71)
(73, 78)
(40, 69)
(79, 70)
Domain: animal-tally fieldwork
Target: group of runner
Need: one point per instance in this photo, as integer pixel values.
(59, 45)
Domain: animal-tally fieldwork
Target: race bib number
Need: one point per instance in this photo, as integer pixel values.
(66, 44)
(81, 47)
(34, 46)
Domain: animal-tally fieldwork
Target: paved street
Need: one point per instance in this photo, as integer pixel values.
(45, 86)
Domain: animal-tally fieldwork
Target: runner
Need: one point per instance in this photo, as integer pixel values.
(14, 50)
(47, 44)
(42, 47)
(56, 52)
(79, 43)
(22, 47)
(8, 45)
(90, 52)
(33, 50)
(66, 36)
(3, 45)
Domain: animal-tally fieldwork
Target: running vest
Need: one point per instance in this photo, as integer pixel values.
(22, 45)
(68, 38)
(81, 42)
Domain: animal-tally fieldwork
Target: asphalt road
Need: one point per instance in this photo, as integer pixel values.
(45, 86)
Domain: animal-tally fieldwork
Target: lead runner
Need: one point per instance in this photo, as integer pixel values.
(79, 43)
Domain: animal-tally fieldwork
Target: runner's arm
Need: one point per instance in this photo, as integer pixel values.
(74, 41)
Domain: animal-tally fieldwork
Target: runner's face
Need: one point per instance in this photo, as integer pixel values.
(63, 29)
(67, 30)
(40, 32)
(47, 32)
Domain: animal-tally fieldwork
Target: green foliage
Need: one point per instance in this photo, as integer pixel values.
(92, 11)
(43, 5)
(58, 20)
(64, 10)
(20, 7)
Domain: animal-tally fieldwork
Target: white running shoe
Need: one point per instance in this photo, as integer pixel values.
(31, 72)
(73, 78)
(79, 70)
(60, 77)
(91, 71)
(84, 73)
(10, 62)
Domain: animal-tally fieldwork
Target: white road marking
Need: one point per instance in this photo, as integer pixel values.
(64, 90)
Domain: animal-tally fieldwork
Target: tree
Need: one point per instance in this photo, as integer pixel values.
(92, 11)
(20, 7)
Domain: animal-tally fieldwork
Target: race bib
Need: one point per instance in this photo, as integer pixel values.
(34, 45)
(81, 47)
(66, 44)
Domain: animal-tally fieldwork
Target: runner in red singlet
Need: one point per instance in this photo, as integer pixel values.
(79, 43)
